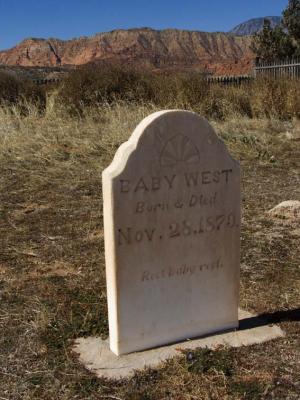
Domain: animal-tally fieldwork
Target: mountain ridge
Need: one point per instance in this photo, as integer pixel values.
(155, 49)
(254, 25)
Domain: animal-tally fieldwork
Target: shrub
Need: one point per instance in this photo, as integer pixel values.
(16, 91)
(273, 98)
(93, 85)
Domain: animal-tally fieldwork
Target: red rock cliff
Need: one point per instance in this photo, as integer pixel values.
(177, 49)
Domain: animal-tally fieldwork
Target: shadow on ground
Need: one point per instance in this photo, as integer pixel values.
(270, 318)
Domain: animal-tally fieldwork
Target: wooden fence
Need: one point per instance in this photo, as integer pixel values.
(278, 69)
(47, 81)
(233, 80)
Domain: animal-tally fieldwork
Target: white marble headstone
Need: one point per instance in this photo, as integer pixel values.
(172, 234)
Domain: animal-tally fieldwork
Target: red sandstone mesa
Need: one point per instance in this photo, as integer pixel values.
(219, 53)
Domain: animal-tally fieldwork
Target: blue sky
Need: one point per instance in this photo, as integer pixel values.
(66, 19)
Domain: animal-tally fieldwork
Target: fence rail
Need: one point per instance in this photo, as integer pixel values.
(233, 80)
(278, 69)
(47, 81)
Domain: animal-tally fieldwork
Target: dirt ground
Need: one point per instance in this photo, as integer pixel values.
(52, 281)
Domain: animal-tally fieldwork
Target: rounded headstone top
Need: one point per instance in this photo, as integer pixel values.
(172, 138)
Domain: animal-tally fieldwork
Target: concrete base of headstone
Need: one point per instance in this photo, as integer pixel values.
(95, 355)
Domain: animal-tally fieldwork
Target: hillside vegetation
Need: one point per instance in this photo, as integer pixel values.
(91, 86)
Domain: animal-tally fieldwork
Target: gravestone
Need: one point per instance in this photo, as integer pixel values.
(172, 234)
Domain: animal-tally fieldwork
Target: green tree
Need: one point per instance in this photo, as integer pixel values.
(291, 19)
(270, 44)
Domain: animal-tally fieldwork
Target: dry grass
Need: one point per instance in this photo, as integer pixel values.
(260, 98)
(52, 266)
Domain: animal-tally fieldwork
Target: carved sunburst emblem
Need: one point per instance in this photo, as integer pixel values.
(179, 149)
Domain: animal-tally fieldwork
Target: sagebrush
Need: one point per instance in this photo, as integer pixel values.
(94, 86)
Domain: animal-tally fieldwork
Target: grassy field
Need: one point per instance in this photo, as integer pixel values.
(52, 277)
